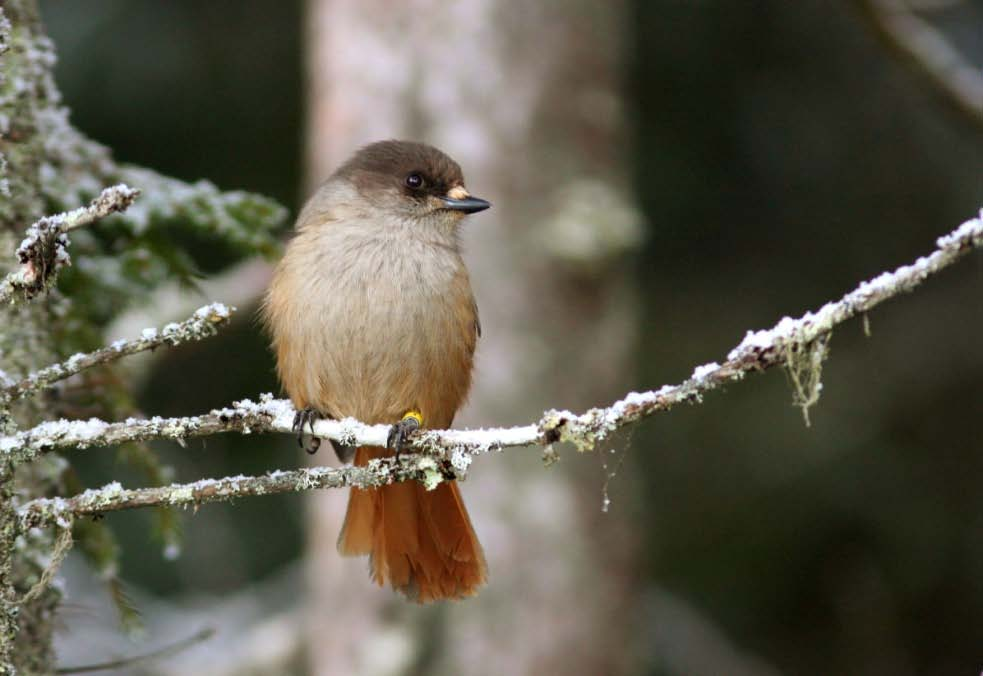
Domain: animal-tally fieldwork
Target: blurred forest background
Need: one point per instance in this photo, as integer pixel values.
(709, 166)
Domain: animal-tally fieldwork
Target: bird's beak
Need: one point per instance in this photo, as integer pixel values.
(458, 199)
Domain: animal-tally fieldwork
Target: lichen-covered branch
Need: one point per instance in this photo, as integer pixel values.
(114, 497)
(448, 453)
(248, 417)
(202, 324)
(44, 249)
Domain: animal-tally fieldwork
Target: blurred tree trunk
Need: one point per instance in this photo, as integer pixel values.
(527, 98)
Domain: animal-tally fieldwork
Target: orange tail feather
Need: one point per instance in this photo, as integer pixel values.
(420, 541)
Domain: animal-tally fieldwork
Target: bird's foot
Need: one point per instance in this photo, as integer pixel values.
(403, 431)
(307, 417)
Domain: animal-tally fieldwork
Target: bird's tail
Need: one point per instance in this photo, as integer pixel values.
(420, 541)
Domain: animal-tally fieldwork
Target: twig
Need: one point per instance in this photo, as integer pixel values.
(45, 247)
(176, 647)
(114, 497)
(928, 48)
(454, 449)
(202, 324)
(62, 546)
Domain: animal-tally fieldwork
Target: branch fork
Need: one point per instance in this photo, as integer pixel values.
(44, 249)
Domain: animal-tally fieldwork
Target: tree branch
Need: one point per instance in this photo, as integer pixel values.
(927, 47)
(446, 454)
(202, 324)
(45, 247)
(114, 497)
(166, 651)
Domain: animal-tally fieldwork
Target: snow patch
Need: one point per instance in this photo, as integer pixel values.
(702, 371)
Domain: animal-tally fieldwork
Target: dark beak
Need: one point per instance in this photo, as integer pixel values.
(468, 205)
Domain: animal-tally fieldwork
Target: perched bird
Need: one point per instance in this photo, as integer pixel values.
(372, 316)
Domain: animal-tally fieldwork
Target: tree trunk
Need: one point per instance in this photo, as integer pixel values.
(26, 95)
(526, 97)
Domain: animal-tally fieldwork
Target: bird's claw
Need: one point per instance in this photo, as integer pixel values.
(403, 431)
(307, 417)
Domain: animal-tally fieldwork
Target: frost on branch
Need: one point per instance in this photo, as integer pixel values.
(44, 249)
(202, 324)
(446, 454)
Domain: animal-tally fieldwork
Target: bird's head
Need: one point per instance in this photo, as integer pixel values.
(413, 183)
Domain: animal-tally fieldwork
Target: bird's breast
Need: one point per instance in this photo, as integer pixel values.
(390, 325)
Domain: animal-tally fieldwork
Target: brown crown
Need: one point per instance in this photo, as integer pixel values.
(388, 162)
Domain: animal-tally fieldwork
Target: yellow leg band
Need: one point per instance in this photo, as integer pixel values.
(415, 415)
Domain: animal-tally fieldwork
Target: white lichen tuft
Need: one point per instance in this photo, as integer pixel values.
(461, 461)
(432, 476)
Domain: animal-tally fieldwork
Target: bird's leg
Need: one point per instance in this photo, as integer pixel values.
(401, 432)
(307, 416)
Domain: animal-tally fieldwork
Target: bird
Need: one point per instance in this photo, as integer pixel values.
(371, 315)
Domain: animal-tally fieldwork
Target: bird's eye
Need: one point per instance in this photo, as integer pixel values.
(414, 181)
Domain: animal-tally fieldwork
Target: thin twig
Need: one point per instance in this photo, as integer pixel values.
(44, 249)
(448, 453)
(171, 649)
(927, 47)
(62, 546)
(202, 324)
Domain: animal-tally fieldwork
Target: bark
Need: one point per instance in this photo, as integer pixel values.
(25, 630)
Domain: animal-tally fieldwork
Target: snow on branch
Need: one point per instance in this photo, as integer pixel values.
(202, 324)
(45, 247)
(246, 417)
(447, 454)
(114, 497)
